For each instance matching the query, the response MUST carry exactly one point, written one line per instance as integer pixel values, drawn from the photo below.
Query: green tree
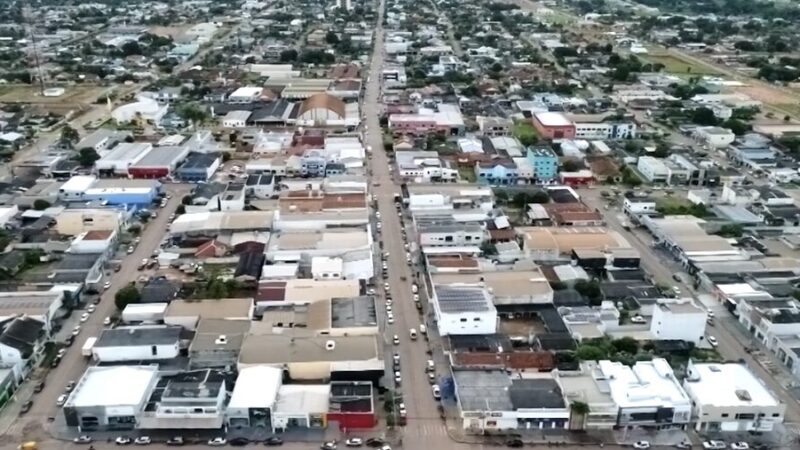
(193, 113)
(331, 37)
(40, 204)
(704, 116)
(590, 290)
(626, 344)
(87, 156)
(737, 126)
(730, 231)
(488, 249)
(69, 135)
(126, 296)
(588, 352)
(501, 197)
(629, 178)
(289, 55)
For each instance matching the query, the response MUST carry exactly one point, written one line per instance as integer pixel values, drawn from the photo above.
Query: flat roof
(308, 290)
(211, 308)
(256, 387)
(135, 336)
(294, 348)
(222, 220)
(78, 183)
(566, 239)
(166, 156)
(726, 385)
(208, 333)
(552, 119)
(93, 389)
(303, 398)
(483, 390)
(510, 283)
(127, 152)
(458, 298)
(647, 383)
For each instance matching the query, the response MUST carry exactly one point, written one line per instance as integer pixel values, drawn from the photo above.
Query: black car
(26, 407)
(273, 441)
(514, 443)
(56, 362)
(69, 340)
(39, 387)
(176, 441)
(374, 442)
(239, 441)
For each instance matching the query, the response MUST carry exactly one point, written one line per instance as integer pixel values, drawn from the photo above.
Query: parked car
(122, 440)
(374, 442)
(39, 387)
(354, 442)
(330, 445)
(26, 407)
(82, 439)
(90, 309)
(273, 441)
(61, 400)
(239, 441)
(641, 445)
(142, 440)
(396, 340)
(77, 330)
(69, 340)
(61, 352)
(217, 442)
(56, 362)
(106, 285)
(70, 386)
(107, 321)
(515, 443)
(175, 441)
(84, 317)
(714, 445)
(740, 446)
(712, 341)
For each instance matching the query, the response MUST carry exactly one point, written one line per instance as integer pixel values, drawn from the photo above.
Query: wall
(353, 420)
(689, 327)
(72, 223)
(465, 323)
(135, 353)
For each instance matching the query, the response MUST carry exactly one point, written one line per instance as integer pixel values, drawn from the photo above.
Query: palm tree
(578, 412)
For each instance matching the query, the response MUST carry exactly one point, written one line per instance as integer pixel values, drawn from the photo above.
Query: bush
(127, 295)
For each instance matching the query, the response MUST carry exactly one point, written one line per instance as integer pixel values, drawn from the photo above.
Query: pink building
(553, 125)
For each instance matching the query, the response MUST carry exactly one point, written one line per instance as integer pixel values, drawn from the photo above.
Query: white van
(423, 329)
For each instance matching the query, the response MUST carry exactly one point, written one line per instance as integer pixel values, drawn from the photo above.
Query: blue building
(544, 162)
(139, 193)
(198, 167)
(497, 171)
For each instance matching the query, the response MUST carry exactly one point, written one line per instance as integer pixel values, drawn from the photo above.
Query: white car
(122, 440)
(388, 304)
(61, 400)
(641, 445)
(389, 318)
(90, 309)
(389, 309)
(714, 445)
(107, 321)
(77, 330)
(217, 442)
(61, 352)
(638, 319)
(397, 378)
(142, 440)
(354, 442)
(84, 317)
(396, 357)
(107, 285)
(740, 446)
(378, 214)
(396, 340)
(437, 393)
(712, 341)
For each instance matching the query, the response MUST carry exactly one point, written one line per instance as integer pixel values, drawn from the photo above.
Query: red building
(159, 162)
(553, 125)
(352, 405)
(579, 178)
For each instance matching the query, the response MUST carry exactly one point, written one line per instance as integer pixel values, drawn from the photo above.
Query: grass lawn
(467, 174)
(676, 65)
(524, 131)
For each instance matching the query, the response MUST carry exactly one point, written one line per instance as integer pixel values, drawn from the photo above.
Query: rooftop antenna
(26, 20)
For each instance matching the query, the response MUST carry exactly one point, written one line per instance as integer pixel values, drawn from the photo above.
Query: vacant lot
(678, 66)
(80, 94)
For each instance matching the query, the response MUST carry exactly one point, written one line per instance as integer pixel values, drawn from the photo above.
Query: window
(776, 414)
(476, 319)
(724, 414)
(745, 416)
(463, 320)
(153, 350)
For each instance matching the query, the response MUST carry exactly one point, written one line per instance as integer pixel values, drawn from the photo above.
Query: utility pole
(26, 20)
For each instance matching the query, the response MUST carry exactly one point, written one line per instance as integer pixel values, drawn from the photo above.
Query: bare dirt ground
(174, 32)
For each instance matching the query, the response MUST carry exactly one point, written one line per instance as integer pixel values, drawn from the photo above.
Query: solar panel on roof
(461, 299)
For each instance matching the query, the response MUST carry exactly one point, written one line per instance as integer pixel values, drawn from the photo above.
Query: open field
(678, 66)
(78, 94)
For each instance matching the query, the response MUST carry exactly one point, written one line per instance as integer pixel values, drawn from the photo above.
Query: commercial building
(187, 314)
(217, 343)
(714, 137)
(253, 399)
(145, 343)
(559, 243)
(122, 157)
(160, 162)
(39, 305)
(678, 320)
(302, 406)
(553, 126)
(729, 398)
(123, 192)
(544, 162)
(463, 309)
(187, 400)
(491, 401)
(352, 405)
(92, 406)
(648, 395)
(236, 119)
(604, 130)
(424, 166)
(198, 167)
(444, 119)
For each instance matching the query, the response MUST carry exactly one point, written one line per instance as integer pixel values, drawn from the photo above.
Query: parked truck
(86, 350)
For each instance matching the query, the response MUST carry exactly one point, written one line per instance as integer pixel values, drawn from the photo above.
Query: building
(444, 119)
(545, 164)
(252, 402)
(463, 309)
(424, 167)
(604, 130)
(654, 170)
(680, 320)
(102, 139)
(198, 167)
(39, 305)
(112, 192)
(432, 232)
(714, 137)
(94, 242)
(22, 344)
(137, 344)
(497, 171)
(245, 95)
(491, 401)
(160, 162)
(588, 385)
(122, 157)
(302, 406)
(559, 243)
(73, 222)
(636, 206)
(236, 119)
(186, 400)
(217, 343)
(648, 395)
(729, 398)
(92, 406)
(553, 126)
(306, 356)
(494, 126)
(187, 314)
(352, 405)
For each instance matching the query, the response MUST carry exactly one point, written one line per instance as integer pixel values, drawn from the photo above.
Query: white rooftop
(78, 183)
(95, 388)
(256, 387)
(726, 385)
(552, 119)
(647, 383)
(303, 398)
